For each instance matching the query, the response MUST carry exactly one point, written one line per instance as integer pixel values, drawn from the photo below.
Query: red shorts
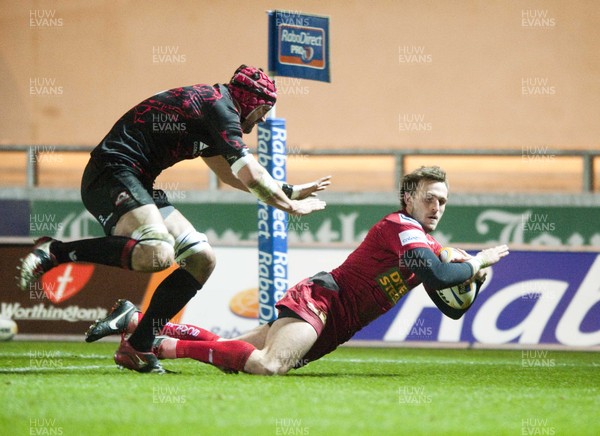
(321, 308)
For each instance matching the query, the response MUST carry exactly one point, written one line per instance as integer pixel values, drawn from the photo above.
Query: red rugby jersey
(373, 279)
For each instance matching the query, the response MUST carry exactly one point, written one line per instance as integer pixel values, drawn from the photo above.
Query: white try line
(49, 354)
(27, 369)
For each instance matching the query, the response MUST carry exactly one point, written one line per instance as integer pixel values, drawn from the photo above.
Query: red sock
(188, 332)
(227, 354)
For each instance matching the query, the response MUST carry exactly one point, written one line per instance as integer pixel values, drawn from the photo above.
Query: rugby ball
(460, 296)
(8, 329)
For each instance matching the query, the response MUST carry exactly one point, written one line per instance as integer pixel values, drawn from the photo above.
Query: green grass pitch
(66, 388)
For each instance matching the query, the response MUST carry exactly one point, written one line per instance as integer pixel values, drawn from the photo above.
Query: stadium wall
(465, 74)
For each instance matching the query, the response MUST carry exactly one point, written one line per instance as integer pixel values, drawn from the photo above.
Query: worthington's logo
(42, 312)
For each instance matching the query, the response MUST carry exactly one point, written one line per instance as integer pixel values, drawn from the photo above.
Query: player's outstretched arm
(488, 257)
(220, 166)
(305, 190)
(306, 206)
(437, 275)
(265, 188)
(432, 272)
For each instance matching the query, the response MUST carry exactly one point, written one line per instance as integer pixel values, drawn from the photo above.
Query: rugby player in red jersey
(323, 311)
(144, 232)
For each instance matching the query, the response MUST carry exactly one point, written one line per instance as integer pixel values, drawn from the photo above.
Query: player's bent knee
(193, 247)
(154, 250)
(152, 259)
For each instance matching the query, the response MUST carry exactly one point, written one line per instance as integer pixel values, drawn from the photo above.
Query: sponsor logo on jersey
(199, 146)
(412, 236)
(392, 284)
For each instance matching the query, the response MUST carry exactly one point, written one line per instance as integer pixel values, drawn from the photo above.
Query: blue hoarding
(530, 297)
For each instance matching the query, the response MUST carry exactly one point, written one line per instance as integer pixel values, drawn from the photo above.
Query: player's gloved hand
(308, 205)
(299, 192)
(459, 255)
(488, 257)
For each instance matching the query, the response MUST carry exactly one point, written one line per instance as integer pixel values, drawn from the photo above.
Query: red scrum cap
(252, 88)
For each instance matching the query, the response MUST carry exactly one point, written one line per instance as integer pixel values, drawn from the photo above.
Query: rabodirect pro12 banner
(299, 45)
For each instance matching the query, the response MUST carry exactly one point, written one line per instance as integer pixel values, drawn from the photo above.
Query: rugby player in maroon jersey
(323, 311)
(144, 232)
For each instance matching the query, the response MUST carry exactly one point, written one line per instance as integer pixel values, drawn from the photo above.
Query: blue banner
(299, 45)
(272, 223)
(529, 298)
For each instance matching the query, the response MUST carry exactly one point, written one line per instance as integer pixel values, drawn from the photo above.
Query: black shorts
(110, 190)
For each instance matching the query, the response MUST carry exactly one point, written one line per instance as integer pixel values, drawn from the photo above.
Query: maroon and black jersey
(177, 124)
